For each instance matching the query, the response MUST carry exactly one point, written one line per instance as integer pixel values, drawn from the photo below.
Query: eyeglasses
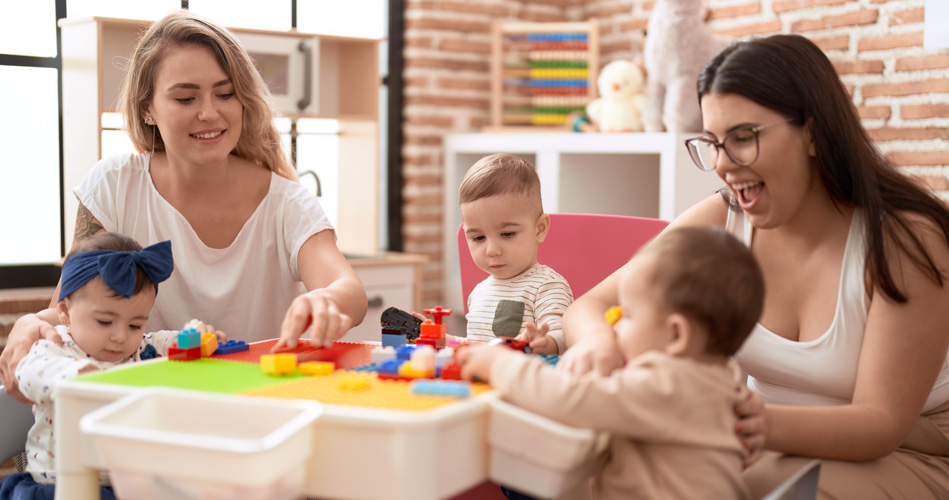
(740, 145)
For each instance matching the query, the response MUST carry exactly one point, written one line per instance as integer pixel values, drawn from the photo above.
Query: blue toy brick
(551, 359)
(442, 388)
(189, 338)
(390, 367)
(232, 346)
(371, 367)
(404, 352)
(390, 340)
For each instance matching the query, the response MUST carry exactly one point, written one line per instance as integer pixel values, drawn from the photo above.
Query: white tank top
(820, 372)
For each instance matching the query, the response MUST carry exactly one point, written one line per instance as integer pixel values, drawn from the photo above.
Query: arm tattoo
(86, 224)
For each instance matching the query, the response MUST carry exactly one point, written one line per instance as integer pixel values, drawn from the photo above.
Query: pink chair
(583, 248)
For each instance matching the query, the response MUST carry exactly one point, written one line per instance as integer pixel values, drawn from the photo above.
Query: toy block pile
(408, 362)
(400, 327)
(194, 343)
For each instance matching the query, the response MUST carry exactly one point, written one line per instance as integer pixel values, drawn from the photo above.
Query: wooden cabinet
(337, 77)
(392, 280)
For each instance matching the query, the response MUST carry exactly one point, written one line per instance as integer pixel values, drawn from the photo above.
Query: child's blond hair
(501, 174)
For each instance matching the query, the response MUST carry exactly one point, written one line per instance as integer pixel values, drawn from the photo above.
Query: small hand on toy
(201, 327)
(476, 361)
(537, 337)
(596, 352)
(317, 312)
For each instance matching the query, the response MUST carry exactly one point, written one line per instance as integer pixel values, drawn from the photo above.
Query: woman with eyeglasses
(848, 360)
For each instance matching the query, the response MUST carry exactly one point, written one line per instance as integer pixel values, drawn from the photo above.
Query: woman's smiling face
(776, 186)
(194, 105)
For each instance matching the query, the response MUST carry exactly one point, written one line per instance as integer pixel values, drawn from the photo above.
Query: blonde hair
(259, 141)
(501, 174)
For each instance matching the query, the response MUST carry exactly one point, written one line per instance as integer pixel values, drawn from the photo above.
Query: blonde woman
(254, 249)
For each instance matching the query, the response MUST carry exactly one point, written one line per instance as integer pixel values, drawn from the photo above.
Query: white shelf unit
(639, 174)
(344, 86)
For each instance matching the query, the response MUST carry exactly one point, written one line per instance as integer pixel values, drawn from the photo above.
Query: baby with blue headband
(108, 286)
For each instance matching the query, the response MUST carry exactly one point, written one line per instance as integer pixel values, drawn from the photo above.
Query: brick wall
(901, 91)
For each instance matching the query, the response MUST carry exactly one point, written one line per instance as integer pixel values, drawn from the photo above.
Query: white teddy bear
(621, 98)
(678, 44)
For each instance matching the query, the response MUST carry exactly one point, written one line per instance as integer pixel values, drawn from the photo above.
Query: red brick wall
(901, 90)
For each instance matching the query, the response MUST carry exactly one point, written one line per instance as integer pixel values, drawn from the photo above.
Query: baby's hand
(203, 328)
(476, 360)
(537, 337)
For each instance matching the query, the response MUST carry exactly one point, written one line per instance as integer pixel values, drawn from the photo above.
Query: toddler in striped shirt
(504, 224)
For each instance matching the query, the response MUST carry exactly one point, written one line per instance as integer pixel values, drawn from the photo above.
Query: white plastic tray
(536, 455)
(166, 443)
(373, 454)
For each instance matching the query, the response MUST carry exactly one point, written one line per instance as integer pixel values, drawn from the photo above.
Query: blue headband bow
(117, 268)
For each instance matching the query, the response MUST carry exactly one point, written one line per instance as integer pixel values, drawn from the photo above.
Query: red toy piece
(437, 343)
(190, 354)
(437, 312)
(451, 371)
(517, 345)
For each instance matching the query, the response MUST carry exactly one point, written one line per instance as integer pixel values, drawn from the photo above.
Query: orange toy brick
(208, 344)
(613, 315)
(278, 364)
(431, 330)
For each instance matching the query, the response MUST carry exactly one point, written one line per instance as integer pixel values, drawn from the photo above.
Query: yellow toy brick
(354, 383)
(278, 364)
(208, 344)
(316, 368)
(613, 315)
(407, 370)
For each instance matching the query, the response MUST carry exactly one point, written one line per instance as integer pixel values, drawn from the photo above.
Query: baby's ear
(63, 309)
(543, 227)
(681, 335)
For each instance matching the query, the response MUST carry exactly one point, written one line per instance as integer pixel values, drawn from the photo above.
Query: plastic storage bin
(536, 455)
(163, 443)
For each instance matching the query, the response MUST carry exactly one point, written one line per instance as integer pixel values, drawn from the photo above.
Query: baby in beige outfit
(688, 300)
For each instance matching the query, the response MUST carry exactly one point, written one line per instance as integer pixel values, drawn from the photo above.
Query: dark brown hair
(501, 174)
(713, 279)
(791, 75)
(116, 242)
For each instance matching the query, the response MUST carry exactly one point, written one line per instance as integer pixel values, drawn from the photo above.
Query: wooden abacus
(542, 72)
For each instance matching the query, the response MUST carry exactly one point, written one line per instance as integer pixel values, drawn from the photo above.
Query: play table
(379, 441)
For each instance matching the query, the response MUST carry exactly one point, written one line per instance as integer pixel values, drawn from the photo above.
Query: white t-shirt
(823, 371)
(244, 289)
(501, 307)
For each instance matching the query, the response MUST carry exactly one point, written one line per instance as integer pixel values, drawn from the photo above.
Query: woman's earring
(151, 121)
